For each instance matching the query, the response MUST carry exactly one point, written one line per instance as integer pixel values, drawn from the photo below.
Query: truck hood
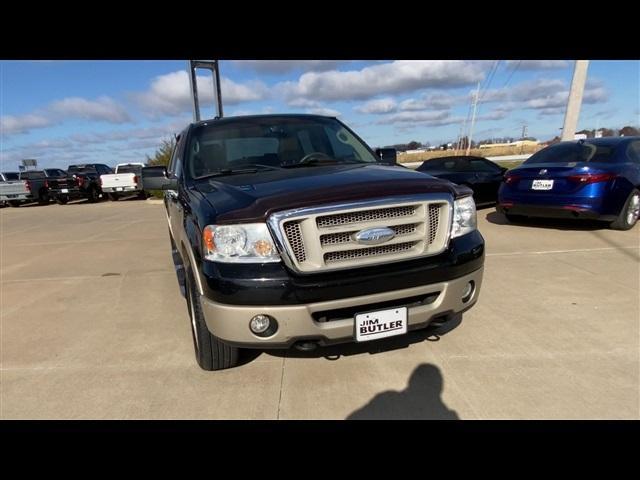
(253, 197)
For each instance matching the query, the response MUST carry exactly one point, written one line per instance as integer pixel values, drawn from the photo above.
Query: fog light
(468, 291)
(260, 323)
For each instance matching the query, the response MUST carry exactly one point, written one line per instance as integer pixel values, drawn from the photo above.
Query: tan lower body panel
(231, 322)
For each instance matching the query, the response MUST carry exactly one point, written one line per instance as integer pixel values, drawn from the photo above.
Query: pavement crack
(281, 384)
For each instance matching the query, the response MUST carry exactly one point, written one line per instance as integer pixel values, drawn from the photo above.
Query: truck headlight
(249, 243)
(464, 217)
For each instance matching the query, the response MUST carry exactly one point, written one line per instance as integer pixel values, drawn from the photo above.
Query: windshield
(573, 152)
(276, 142)
(129, 169)
(80, 169)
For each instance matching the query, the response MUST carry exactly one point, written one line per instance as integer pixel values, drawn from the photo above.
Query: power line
(489, 79)
(512, 72)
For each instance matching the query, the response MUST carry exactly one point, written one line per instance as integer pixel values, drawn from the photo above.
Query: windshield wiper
(236, 171)
(319, 162)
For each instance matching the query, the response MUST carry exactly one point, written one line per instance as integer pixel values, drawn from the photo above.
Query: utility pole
(575, 100)
(473, 118)
(524, 131)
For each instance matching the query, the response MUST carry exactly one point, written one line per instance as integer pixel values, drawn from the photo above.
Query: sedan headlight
(464, 217)
(248, 243)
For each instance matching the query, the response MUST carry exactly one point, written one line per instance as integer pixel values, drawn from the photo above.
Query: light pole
(575, 99)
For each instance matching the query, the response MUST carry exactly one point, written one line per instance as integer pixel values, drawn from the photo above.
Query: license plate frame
(388, 316)
(542, 184)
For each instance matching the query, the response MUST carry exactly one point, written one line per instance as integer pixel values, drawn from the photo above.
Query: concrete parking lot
(93, 326)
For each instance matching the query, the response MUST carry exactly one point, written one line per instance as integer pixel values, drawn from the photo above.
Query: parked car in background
(6, 176)
(127, 179)
(55, 172)
(597, 178)
(478, 173)
(81, 181)
(30, 186)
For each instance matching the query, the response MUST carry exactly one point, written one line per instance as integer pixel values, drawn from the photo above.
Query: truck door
(173, 206)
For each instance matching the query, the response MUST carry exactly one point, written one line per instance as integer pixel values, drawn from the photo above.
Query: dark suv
(287, 230)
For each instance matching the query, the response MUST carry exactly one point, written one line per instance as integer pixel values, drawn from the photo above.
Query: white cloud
(538, 64)
(436, 101)
(327, 112)
(286, 66)
(170, 94)
(387, 78)
(12, 124)
(109, 147)
(380, 105)
(435, 118)
(103, 108)
(543, 94)
(304, 103)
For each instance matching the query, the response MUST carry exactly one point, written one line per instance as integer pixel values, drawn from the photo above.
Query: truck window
(270, 141)
(137, 169)
(32, 175)
(11, 176)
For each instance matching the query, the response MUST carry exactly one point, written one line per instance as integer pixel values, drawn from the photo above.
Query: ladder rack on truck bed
(211, 65)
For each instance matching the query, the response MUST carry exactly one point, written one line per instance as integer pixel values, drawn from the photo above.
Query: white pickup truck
(126, 181)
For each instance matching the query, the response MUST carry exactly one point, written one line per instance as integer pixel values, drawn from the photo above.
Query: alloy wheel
(633, 212)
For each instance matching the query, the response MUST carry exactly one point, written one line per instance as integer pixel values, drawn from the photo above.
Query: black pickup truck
(82, 181)
(287, 230)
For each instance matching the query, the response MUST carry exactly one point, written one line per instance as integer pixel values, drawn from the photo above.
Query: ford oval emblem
(374, 236)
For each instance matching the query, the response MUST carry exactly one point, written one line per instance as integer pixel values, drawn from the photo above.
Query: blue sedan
(596, 179)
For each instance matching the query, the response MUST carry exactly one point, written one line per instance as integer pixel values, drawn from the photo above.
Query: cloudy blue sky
(64, 112)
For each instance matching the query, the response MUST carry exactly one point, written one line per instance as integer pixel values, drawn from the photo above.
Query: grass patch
(477, 152)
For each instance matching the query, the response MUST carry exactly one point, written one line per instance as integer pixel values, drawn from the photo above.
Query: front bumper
(126, 189)
(18, 197)
(572, 210)
(321, 321)
(73, 192)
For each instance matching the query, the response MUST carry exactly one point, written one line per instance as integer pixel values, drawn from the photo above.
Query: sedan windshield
(274, 142)
(573, 152)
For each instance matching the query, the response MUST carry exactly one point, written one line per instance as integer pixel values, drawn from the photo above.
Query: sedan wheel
(629, 214)
(633, 212)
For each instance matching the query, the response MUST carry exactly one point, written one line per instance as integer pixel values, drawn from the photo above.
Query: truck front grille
(294, 236)
(320, 239)
(364, 216)
(347, 237)
(368, 252)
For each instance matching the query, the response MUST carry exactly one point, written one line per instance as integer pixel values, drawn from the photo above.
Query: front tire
(211, 353)
(93, 195)
(629, 213)
(113, 197)
(14, 203)
(44, 198)
(62, 200)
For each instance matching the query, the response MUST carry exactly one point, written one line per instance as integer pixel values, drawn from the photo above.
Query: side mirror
(156, 178)
(387, 155)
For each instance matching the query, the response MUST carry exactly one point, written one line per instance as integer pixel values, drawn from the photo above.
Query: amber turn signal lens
(262, 248)
(207, 237)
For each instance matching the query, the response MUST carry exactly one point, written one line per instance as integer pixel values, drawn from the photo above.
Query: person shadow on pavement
(419, 401)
